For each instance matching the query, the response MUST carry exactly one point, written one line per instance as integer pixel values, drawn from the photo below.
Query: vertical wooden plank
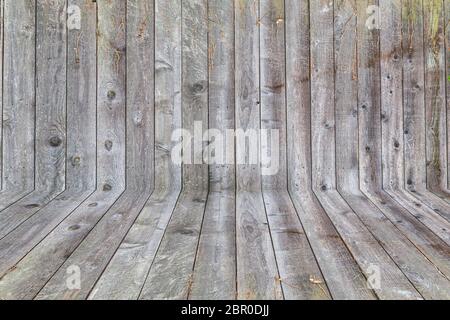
(19, 100)
(221, 86)
(34, 272)
(247, 88)
(50, 135)
(81, 96)
(111, 95)
(273, 91)
(111, 67)
(184, 228)
(413, 95)
(195, 88)
(322, 95)
(216, 255)
(344, 278)
(391, 94)
(140, 93)
(346, 91)
(135, 255)
(435, 83)
(257, 274)
(298, 88)
(294, 256)
(51, 45)
(112, 284)
(369, 99)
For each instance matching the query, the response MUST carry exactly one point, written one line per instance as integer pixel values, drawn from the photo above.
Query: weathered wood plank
(176, 255)
(195, 87)
(300, 275)
(364, 247)
(414, 108)
(214, 274)
(140, 43)
(50, 144)
(19, 101)
(297, 264)
(435, 84)
(343, 277)
(216, 255)
(257, 271)
(184, 228)
(81, 132)
(136, 254)
(110, 134)
(413, 94)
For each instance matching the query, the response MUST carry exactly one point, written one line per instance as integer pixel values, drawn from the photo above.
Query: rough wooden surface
(356, 91)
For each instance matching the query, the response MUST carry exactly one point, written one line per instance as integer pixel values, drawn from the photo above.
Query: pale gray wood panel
(81, 147)
(195, 88)
(322, 96)
(273, 93)
(435, 84)
(257, 274)
(140, 100)
(111, 98)
(125, 275)
(414, 108)
(364, 247)
(404, 253)
(51, 105)
(221, 67)
(176, 254)
(413, 95)
(346, 95)
(136, 253)
(391, 66)
(214, 274)
(111, 63)
(300, 275)
(19, 100)
(185, 225)
(343, 277)
(247, 89)
(293, 253)
(404, 20)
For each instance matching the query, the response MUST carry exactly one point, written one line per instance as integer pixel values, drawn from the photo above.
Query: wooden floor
(94, 207)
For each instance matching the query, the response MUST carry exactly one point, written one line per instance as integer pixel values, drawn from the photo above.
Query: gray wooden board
(343, 276)
(19, 101)
(257, 274)
(214, 275)
(125, 275)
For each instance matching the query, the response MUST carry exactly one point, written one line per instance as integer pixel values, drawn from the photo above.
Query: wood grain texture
(434, 86)
(19, 101)
(216, 254)
(80, 182)
(51, 117)
(337, 173)
(184, 228)
(257, 274)
(125, 275)
(347, 281)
